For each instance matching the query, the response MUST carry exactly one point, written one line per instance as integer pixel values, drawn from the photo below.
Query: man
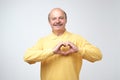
(61, 52)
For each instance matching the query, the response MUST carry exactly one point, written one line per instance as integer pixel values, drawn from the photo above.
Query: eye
(53, 18)
(61, 17)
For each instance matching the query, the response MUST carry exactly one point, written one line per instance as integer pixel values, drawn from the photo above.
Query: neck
(58, 33)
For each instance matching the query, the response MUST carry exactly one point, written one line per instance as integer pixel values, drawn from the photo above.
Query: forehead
(57, 13)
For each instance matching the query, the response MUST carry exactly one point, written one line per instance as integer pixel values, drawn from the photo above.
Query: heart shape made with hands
(65, 48)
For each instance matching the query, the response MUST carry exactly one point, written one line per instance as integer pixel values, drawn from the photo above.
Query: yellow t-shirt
(60, 67)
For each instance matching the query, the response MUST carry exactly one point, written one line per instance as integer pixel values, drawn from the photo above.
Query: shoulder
(43, 38)
(75, 35)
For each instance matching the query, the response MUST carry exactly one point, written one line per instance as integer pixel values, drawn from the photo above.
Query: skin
(57, 20)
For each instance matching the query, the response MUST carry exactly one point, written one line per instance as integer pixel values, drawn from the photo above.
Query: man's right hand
(57, 49)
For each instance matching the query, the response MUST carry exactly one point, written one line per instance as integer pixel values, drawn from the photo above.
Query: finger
(64, 53)
(70, 44)
(60, 45)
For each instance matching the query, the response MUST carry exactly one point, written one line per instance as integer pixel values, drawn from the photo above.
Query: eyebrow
(50, 14)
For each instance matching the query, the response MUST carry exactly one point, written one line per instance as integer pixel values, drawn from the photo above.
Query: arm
(36, 53)
(89, 51)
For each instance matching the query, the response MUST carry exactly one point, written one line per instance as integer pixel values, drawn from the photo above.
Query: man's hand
(65, 48)
(57, 49)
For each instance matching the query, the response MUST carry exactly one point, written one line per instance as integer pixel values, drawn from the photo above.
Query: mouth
(58, 25)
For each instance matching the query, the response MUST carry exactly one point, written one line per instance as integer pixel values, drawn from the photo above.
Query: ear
(66, 21)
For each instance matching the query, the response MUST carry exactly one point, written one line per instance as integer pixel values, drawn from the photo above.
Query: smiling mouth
(58, 25)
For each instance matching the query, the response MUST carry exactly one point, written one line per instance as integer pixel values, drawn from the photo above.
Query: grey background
(23, 22)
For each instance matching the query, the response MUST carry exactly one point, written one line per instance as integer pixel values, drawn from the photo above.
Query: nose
(57, 20)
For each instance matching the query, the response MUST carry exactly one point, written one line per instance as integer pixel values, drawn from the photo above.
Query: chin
(58, 27)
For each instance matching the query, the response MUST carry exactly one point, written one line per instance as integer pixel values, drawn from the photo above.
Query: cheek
(51, 22)
(64, 21)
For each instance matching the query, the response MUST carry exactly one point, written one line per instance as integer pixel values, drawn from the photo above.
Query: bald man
(61, 52)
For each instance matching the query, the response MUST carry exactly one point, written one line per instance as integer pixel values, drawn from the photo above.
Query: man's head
(57, 9)
(57, 19)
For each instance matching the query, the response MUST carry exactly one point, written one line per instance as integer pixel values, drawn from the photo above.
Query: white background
(23, 22)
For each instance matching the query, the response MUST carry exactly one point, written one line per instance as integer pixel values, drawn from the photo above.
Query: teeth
(58, 25)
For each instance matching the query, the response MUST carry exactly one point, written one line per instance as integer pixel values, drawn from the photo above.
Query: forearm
(33, 55)
(91, 53)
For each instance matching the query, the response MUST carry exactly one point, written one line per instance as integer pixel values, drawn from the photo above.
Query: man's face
(57, 20)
